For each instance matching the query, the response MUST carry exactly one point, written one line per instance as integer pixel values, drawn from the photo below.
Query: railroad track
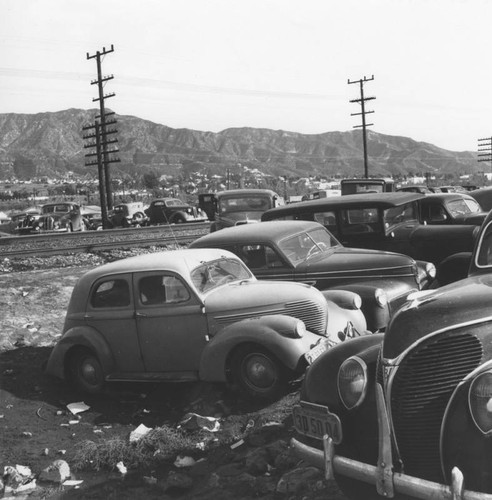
(90, 241)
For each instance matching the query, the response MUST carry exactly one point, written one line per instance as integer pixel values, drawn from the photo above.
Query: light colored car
(129, 215)
(54, 217)
(199, 314)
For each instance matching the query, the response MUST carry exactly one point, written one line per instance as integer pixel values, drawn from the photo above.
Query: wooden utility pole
(485, 149)
(363, 113)
(102, 134)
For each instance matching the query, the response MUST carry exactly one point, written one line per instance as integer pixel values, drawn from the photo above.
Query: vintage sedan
(382, 221)
(450, 208)
(190, 315)
(173, 211)
(410, 412)
(54, 217)
(309, 253)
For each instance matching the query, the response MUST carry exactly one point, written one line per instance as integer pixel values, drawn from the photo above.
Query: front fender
(463, 444)
(275, 333)
(341, 310)
(80, 336)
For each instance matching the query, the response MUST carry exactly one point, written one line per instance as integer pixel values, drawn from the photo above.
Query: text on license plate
(315, 421)
(316, 351)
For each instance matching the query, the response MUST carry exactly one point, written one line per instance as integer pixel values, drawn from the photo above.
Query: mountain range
(54, 142)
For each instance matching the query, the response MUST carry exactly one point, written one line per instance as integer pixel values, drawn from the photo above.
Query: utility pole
(485, 149)
(363, 113)
(102, 135)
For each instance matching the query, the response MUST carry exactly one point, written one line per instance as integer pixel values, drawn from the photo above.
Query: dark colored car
(238, 206)
(364, 186)
(54, 217)
(414, 189)
(307, 252)
(382, 221)
(189, 315)
(410, 412)
(173, 211)
(450, 208)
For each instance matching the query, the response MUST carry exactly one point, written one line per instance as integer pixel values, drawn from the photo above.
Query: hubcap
(260, 372)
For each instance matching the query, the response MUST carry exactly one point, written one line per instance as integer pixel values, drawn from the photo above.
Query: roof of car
(235, 192)
(362, 200)
(179, 261)
(257, 232)
(446, 196)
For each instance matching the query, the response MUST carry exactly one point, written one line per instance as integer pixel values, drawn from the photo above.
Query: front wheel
(258, 372)
(86, 372)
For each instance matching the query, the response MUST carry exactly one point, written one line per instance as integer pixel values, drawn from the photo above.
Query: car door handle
(140, 315)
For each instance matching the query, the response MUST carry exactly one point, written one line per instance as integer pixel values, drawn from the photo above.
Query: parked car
(483, 196)
(369, 185)
(409, 412)
(92, 217)
(189, 315)
(450, 208)
(54, 217)
(238, 206)
(382, 221)
(414, 189)
(21, 222)
(129, 215)
(309, 253)
(173, 211)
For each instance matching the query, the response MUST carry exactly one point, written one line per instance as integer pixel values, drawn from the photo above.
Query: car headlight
(430, 269)
(352, 382)
(480, 401)
(300, 329)
(381, 297)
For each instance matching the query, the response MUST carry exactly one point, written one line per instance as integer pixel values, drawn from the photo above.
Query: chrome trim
(404, 484)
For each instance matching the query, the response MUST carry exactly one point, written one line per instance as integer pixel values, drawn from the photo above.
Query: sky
(279, 64)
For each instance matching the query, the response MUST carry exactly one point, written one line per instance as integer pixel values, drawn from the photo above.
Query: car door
(172, 329)
(110, 311)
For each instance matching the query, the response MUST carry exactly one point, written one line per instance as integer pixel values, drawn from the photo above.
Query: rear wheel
(86, 372)
(258, 372)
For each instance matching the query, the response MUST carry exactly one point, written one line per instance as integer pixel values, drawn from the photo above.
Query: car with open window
(307, 252)
(382, 221)
(196, 314)
(130, 214)
(408, 414)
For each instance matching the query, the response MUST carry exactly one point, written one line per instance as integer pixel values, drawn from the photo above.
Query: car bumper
(401, 483)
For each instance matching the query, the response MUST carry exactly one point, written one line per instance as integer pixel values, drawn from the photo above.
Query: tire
(86, 372)
(179, 220)
(69, 228)
(258, 372)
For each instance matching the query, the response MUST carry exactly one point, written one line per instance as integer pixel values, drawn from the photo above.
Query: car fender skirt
(270, 332)
(79, 337)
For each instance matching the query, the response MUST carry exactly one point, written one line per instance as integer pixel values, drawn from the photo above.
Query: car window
(360, 220)
(433, 212)
(161, 290)
(212, 274)
(328, 219)
(462, 207)
(111, 293)
(402, 213)
(302, 246)
(260, 257)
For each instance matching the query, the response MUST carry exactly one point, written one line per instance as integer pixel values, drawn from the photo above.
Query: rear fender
(275, 333)
(79, 337)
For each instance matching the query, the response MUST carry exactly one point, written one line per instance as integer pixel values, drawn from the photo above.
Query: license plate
(315, 421)
(317, 350)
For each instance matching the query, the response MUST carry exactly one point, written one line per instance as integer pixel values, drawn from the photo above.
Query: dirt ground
(37, 428)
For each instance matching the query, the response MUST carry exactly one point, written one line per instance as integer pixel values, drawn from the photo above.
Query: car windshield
(402, 213)
(250, 203)
(462, 207)
(49, 209)
(210, 275)
(303, 246)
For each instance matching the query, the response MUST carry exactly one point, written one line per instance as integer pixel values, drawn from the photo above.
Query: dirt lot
(37, 428)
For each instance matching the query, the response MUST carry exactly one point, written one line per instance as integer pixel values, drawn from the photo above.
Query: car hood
(227, 304)
(461, 302)
(364, 262)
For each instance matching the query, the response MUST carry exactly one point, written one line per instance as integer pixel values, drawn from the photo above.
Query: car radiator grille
(421, 389)
(313, 315)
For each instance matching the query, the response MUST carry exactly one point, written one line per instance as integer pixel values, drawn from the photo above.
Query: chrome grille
(313, 315)
(420, 392)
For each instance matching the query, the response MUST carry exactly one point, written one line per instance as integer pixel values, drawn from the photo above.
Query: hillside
(55, 144)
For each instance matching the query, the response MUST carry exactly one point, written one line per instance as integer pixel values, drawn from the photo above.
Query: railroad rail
(47, 244)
